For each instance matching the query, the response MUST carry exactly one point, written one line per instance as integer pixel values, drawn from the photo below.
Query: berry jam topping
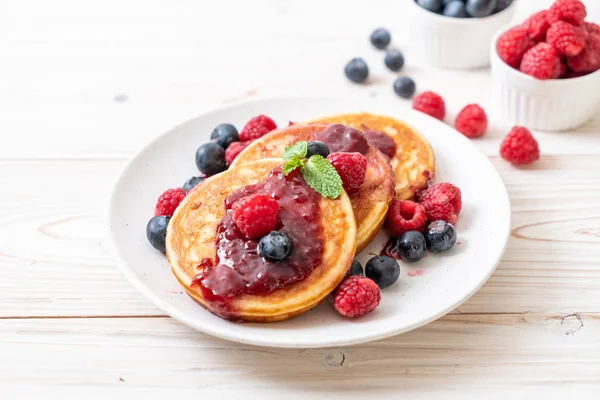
(383, 142)
(238, 267)
(340, 138)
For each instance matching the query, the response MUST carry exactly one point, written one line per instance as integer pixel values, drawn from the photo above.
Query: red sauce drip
(239, 269)
(383, 142)
(341, 138)
(390, 249)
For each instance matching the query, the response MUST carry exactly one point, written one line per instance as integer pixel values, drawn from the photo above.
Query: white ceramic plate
(425, 291)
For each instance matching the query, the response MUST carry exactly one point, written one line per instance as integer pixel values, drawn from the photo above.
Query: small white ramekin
(456, 43)
(546, 105)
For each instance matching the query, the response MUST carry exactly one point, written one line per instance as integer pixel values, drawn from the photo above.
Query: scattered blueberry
(405, 87)
(394, 60)
(210, 159)
(156, 231)
(316, 147)
(455, 9)
(411, 246)
(355, 269)
(225, 134)
(383, 270)
(381, 38)
(192, 182)
(503, 5)
(275, 246)
(446, 2)
(481, 8)
(439, 236)
(431, 5)
(357, 70)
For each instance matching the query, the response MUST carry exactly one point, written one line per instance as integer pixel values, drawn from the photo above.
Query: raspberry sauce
(239, 269)
(383, 142)
(341, 138)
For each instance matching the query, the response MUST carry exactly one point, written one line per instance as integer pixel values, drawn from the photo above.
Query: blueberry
(381, 38)
(405, 87)
(481, 8)
(210, 159)
(394, 60)
(503, 5)
(156, 231)
(439, 236)
(383, 270)
(355, 269)
(357, 70)
(192, 182)
(455, 9)
(411, 246)
(316, 147)
(225, 134)
(431, 5)
(275, 246)
(446, 2)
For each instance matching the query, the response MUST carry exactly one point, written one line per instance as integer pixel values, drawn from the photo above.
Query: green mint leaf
(299, 149)
(292, 164)
(322, 177)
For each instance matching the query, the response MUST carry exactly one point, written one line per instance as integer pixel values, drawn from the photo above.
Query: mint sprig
(317, 171)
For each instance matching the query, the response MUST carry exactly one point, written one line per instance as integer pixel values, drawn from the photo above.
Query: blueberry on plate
(355, 269)
(316, 147)
(210, 159)
(439, 236)
(382, 270)
(394, 60)
(431, 5)
(224, 135)
(455, 9)
(357, 70)
(405, 87)
(381, 38)
(275, 246)
(411, 246)
(192, 182)
(481, 8)
(503, 5)
(156, 231)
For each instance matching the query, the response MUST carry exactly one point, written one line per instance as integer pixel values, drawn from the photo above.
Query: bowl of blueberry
(456, 33)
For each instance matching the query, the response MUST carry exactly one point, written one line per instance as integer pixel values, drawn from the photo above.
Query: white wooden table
(83, 85)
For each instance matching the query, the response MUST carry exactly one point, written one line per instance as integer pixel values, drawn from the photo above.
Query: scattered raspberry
(255, 215)
(541, 62)
(404, 216)
(168, 201)
(564, 70)
(572, 11)
(567, 38)
(257, 127)
(591, 28)
(519, 146)
(572, 74)
(589, 58)
(356, 296)
(234, 150)
(537, 25)
(352, 168)
(442, 201)
(512, 45)
(471, 121)
(431, 104)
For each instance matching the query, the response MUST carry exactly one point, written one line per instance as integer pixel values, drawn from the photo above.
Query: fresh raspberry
(589, 58)
(519, 146)
(257, 127)
(537, 25)
(168, 201)
(471, 121)
(234, 150)
(356, 296)
(572, 11)
(351, 167)
(404, 216)
(564, 70)
(591, 28)
(431, 104)
(541, 62)
(567, 38)
(442, 201)
(512, 44)
(255, 215)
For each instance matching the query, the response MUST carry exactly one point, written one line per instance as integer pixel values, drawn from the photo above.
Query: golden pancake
(413, 164)
(192, 238)
(370, 203)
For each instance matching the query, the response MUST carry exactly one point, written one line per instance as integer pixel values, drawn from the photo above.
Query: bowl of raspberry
(546, 71)
(456, 33)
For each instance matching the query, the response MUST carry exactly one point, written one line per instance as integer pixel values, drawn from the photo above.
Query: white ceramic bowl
(546, 105)
(458, 43)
